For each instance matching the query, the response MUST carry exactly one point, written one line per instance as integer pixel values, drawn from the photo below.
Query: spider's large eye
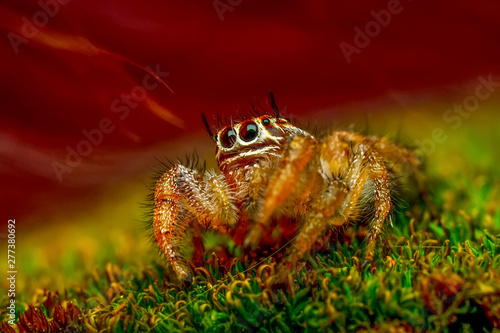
(228, 137)
(248, 131)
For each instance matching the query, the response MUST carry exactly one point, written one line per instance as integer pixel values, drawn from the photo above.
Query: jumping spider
(271, 168)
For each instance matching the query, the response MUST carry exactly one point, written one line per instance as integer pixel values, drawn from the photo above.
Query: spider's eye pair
(247, 133)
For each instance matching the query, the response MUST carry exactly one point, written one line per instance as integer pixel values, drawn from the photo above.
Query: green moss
(438, 274)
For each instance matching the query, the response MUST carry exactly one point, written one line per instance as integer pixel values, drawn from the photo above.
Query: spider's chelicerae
(271, 169)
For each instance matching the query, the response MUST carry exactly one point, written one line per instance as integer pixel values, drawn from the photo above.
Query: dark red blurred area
(67, 76)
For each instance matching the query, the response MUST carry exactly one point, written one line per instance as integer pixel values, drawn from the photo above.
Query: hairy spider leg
(382, 201)
(347, 160)
(346, 146)
(351, 146)
(343, 179)
(281, 184)
(404, 163)
(180, 195)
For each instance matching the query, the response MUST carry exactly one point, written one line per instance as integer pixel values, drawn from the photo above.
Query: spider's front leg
(182, 194)
(282, 183)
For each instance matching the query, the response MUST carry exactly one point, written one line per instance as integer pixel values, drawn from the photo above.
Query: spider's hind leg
(338, 187)
(355, 161)
(382, 203)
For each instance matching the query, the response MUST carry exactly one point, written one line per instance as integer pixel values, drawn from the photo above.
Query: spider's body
(270, 168)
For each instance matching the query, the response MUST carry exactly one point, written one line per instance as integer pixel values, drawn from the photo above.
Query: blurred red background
(64, 75)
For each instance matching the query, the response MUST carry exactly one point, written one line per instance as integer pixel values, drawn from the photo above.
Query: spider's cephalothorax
(270, 168)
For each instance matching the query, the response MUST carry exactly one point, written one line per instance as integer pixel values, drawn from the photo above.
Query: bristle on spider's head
(273, 105)
(240, 115)
(207, 126)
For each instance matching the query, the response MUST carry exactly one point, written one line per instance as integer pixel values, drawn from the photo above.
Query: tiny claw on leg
(182, 271)
(186, 276)
(369, 253)
(368, 260)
